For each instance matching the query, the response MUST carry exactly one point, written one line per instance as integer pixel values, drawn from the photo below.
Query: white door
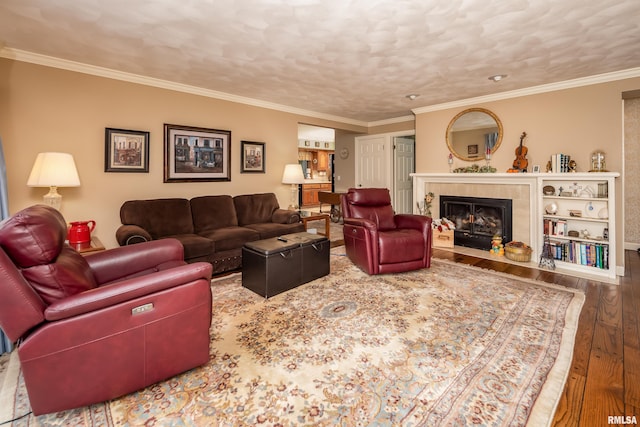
(372, 158)
(403, 165)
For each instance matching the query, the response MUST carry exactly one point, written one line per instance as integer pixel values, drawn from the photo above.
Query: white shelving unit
(579, 218)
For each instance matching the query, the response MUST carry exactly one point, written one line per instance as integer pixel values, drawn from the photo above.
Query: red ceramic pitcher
(80, 231)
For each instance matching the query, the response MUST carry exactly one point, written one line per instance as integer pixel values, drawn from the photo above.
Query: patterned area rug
(450, 345)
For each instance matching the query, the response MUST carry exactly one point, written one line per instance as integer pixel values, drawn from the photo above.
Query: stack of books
(582, 253)
(560, 163)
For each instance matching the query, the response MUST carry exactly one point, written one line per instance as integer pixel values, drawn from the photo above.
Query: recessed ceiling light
(498, 77)
(412, 96)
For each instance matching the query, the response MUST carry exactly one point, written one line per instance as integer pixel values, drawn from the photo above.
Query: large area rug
(450, 345)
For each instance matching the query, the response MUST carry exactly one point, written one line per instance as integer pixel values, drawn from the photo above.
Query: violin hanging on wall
(521, 162)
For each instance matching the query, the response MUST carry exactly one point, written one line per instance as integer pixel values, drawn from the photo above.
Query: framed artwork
(253, 157)
(126, 150)
(196, 154)
(472, 150)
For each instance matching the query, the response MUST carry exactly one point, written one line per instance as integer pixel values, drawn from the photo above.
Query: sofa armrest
(284, 216)
(127, 290)
(123, 261)
(130, 234)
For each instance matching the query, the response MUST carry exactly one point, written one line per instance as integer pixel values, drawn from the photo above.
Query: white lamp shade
(54, 170)
(293, 174)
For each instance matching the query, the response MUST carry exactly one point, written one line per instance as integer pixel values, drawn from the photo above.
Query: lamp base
(53, 198)
(294, 198)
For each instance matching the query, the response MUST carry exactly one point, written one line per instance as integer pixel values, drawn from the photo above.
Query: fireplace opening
(478, 219)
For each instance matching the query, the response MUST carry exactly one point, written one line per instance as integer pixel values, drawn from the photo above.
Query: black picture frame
(253, 157)
(195, 154)
(126, 150)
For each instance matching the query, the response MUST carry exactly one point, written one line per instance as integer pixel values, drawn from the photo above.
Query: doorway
(386, 161)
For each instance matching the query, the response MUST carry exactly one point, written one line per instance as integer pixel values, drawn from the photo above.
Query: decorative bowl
(548, 190)
(517, 251)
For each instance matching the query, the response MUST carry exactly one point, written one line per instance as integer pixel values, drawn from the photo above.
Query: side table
(94, 245)
(306, 216)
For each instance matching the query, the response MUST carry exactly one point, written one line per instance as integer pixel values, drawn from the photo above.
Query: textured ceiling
(355, 59)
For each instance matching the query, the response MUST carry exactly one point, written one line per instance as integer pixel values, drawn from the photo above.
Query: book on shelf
(560, 163)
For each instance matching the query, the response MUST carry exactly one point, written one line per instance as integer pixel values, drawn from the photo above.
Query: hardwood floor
(605, 374)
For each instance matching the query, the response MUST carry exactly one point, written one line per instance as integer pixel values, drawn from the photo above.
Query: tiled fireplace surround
(501, 186)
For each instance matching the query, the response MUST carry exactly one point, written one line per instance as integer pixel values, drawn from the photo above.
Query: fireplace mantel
(525, 189)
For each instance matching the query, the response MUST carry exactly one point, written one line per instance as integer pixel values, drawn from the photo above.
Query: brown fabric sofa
(211, 228)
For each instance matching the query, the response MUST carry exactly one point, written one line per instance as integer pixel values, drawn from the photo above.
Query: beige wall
(572, 121)
(46, 109)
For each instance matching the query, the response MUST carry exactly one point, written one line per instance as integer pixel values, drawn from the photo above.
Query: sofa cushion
(270, 229)
(160, 217)
(213, 212)
(227, 238)
(195, 246)
(255, 208)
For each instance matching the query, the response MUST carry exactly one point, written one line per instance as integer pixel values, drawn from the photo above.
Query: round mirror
(473, 132)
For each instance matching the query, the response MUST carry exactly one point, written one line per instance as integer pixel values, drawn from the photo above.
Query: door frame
(389, 156)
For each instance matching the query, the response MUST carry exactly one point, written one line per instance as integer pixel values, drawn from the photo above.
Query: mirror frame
(472, 110)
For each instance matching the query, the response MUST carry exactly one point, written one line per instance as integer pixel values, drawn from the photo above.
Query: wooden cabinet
(310, 193)
(323, 161)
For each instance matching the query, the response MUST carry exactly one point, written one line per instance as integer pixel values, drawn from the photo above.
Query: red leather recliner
(90, 329)
(377, 240)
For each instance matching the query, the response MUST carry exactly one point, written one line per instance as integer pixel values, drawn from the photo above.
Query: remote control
(282, 239)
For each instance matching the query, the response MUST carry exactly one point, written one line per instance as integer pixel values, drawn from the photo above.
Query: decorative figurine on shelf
(425, 209)
(549, 167)
(573, 166)
(497, 248)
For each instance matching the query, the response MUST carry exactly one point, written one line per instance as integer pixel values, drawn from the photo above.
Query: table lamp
(54, 170)
(293, 175)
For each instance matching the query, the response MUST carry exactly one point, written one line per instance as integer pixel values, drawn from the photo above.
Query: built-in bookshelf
(577, 214)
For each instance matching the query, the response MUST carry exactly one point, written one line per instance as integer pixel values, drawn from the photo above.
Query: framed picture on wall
(126, 150)
(472, 150)
(196, 154)
(253, 157)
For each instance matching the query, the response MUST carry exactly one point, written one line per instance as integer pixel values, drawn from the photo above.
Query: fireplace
(478, 219)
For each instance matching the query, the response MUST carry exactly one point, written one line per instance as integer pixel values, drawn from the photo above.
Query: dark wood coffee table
(307, 216)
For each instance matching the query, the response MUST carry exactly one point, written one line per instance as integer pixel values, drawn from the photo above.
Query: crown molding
(50, 61)
(534, 90)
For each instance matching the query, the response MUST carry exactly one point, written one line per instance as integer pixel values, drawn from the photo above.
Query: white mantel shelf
(535, 182)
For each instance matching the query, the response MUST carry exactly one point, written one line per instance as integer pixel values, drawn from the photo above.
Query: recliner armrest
(116, 263)
(126, 290)
(417, 222)
(130, 234)
(361, 222)
(284, 216)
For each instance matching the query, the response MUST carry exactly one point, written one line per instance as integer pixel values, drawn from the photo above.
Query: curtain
(5, 344)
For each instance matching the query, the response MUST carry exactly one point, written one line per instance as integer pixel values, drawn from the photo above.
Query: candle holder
(450, 161)
(487, 157)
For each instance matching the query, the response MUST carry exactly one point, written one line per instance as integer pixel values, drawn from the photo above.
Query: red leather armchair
(93, 328)
(377, 240)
